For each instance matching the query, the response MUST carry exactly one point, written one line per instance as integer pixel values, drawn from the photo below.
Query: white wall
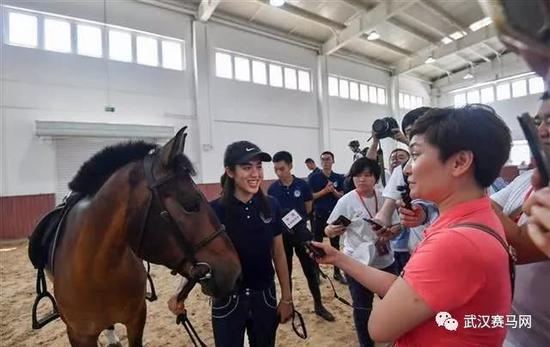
(509, 65)
(42, 85)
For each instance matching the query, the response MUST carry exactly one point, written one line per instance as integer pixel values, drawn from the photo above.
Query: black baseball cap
(242, 152)
(353, 143)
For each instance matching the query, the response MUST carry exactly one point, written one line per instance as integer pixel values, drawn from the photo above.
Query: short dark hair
(282, 156)
(309, 160)
(363, 164)
(328, 152)
(410, 117)
(545, 96)
(476, 128)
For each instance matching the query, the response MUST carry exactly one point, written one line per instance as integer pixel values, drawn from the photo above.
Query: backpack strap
(508, 248)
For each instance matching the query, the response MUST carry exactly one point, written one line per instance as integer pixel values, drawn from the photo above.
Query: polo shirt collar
(458, 213)
(281, 184)
(248, 203)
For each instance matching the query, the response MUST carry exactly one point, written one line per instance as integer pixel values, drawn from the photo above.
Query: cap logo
(249, 149)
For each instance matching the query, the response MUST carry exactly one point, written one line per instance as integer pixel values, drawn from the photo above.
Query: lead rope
(183, 320)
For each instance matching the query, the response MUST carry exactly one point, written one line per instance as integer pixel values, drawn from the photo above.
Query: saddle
(48, 232)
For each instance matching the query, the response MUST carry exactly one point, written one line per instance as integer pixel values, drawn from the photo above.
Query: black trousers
(319, 225)
(309, 266)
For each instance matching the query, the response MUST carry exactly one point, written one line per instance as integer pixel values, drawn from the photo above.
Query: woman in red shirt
(456, 288)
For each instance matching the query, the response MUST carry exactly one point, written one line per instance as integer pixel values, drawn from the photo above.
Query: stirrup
(42, 292)
(152, 295)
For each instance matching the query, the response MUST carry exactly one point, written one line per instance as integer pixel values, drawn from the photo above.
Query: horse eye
(191, 206)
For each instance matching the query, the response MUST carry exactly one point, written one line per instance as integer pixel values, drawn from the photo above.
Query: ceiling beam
(433, 29)
(414, 31)
(364, 23)
(300, 12)
(443, 15)
(206, 8)
(407, 64)
(474, 52)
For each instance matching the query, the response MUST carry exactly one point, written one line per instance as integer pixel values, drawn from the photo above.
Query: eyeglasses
(298, 325)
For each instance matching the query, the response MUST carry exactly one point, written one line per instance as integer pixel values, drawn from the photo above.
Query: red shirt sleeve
(446, 270)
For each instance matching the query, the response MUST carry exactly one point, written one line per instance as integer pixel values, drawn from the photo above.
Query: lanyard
(365, 205)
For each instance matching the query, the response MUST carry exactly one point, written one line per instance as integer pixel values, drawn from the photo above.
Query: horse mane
(96, 170)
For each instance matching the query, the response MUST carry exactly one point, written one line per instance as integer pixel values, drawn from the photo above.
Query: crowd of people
(434, 241)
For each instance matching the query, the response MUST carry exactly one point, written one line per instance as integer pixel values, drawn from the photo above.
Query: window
(304, 83)
(401, 105)
(275, 76)
(373, 94)
(290, 78)
(487, 95)
(57, 35)
(344, 89)
(473, 97)
(460, 100)
(259, 74)
(419, 101)
(224, 65)
(120, 46)
(172, 57)
(503, 91)
(414, 101)
(520, 152)
(333, 86)
(353, 91)
(364, 92)
(381, 96)
(536, 85)
(519, 88)
(89, 40)
(147, 51)
(23, 29)
(242, 69)
(406, 101)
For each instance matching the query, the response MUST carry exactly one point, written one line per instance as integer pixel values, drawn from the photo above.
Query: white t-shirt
(359, 239)
(396, 179)
(532, 280)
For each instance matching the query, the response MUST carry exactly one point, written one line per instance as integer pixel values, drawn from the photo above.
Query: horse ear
(174, 147)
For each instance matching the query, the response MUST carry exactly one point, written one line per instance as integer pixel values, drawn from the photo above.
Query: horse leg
(112, 338)
(135, 328)
(78, 340)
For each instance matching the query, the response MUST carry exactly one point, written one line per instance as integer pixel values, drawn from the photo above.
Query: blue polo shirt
(318, 181)
(293, 196)
(314, 171)
(252, 235)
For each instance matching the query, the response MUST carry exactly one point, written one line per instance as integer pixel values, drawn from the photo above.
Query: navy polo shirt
(314, 171)
(293, 196)
(252, 235)
(317, 181)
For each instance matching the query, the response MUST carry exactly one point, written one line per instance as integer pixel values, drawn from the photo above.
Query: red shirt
(462, 271)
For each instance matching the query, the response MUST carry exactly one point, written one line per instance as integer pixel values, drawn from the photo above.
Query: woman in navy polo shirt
(253, 222)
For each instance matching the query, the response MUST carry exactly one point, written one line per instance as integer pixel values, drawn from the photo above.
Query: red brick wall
(20, 214)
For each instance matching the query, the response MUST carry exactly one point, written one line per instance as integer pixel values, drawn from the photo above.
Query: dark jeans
(309, 266)
(401, 259)
(362, 300)
(250, 310)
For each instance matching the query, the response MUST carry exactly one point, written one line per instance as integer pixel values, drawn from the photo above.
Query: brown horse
(140, 203)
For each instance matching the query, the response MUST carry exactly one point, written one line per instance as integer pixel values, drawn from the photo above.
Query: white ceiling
(407, 36)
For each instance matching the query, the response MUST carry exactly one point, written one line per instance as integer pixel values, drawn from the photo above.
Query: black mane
(96, 170)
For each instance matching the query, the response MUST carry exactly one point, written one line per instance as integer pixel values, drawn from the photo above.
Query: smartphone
(318, 252)
(374, 223)
(540, 154)
(342, 220)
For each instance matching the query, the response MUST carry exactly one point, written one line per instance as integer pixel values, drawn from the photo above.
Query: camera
(384, 127)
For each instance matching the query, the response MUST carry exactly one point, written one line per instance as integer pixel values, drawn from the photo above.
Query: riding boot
(319, 309)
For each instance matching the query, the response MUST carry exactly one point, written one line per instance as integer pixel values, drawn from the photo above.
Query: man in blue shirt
(294, 196)
(310, 164)
(327, 187)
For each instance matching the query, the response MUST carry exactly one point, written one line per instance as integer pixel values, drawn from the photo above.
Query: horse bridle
(189, 249)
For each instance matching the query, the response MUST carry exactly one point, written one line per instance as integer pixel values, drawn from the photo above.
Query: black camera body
(383, 127)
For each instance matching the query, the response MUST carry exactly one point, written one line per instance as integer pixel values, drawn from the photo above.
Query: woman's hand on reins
(285, 309)
(175, 306)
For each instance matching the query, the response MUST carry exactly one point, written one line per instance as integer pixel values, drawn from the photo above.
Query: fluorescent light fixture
(373, 36)
(277, 3)
(457, 35)
(446, 40)
(429, 60)
(480, 24)
(468, 76)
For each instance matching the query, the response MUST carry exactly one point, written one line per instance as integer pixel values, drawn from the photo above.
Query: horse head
(178, 227)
